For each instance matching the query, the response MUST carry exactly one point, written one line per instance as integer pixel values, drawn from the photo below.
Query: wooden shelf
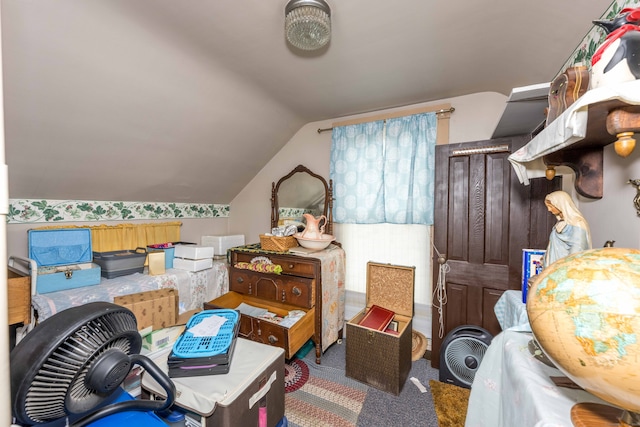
(585, 157)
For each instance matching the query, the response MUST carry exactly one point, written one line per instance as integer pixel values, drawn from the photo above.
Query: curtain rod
(444, 110)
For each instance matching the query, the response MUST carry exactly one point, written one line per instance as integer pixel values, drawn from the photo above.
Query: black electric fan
(68, 370)
(461, 353)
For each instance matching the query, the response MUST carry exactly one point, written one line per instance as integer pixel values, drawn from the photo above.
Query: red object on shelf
(377, 318)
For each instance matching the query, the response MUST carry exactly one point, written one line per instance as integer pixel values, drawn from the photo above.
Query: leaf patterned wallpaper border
(583, 53)
(25, 211)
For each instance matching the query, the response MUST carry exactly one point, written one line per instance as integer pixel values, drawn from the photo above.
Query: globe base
(589, 414)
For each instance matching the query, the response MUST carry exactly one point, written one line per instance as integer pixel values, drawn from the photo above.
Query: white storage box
(192, 264)
(192, 252)
(221, 244)
(255, 380)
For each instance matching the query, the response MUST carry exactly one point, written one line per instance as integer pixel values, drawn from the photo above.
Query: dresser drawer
(266, 332)
(293, 290)
(291, 265)
(19, 298)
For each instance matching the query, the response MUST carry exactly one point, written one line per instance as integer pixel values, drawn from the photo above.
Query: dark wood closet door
(483, 219)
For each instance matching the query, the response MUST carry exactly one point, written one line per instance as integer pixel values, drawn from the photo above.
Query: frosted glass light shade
(308, 23)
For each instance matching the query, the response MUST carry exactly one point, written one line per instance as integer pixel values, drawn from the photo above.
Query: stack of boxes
(193, 257)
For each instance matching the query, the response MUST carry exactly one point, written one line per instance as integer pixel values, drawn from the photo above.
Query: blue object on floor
(306, 348)
(283, 422)
(129, 418)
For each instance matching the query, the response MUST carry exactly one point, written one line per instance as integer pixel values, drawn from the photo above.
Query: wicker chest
(382, 359)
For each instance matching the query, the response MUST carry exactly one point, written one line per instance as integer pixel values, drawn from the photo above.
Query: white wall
(614, 216)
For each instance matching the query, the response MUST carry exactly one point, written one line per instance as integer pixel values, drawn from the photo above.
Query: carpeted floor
(450, 403)
(327, 398)
(378, 408)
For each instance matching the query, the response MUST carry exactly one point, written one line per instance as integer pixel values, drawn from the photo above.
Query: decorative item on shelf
(270, 242)
(262, 267)
(622, 123)
(313, 230)
(565, 90)
(318, 243)
(308, 23)
(616, 60)
(550, 173)
(636, 199)
(571, 233)
(584, 312)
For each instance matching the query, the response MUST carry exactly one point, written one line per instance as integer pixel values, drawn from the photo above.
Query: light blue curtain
(383, 173)
(356, 170)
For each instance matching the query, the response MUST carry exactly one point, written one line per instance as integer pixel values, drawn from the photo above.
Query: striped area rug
(328, 398)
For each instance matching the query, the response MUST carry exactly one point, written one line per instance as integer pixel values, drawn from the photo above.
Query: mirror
(301, 191)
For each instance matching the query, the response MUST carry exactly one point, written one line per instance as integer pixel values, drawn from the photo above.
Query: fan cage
(457, 352)
(58, 387)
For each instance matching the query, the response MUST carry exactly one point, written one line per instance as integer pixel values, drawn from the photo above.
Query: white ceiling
(185, 101)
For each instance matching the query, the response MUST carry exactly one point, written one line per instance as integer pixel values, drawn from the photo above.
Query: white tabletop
(512, 388)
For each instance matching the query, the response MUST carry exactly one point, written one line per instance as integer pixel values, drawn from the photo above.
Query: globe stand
(589, 414)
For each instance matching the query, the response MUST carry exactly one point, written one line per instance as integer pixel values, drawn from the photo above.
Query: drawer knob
(272, 339)
(296, 291)
(291, 266)
(240, 280)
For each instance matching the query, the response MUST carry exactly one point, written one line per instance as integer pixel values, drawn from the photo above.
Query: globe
(584, 311)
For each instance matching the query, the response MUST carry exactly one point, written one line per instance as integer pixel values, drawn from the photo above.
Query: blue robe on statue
(570, 240)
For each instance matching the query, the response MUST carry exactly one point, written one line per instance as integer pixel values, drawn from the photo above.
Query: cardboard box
(382, 359)
(186, 316)
(192, 264)
(157, 264)
(162, 338)
(158, 308)
(193, 252)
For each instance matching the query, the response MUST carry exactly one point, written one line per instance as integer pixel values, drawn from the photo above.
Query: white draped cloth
(568, 128)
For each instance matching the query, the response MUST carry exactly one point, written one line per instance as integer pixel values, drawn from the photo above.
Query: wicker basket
(276, 243)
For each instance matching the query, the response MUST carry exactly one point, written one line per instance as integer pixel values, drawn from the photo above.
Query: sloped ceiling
(185, 101)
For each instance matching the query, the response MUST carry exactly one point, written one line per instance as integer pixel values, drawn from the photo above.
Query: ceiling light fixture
(307, 23)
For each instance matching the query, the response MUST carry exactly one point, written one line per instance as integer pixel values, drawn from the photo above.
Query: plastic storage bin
(194, 355)
(120, 263)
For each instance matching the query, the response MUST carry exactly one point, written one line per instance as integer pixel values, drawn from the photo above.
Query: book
(532, 260)
(377, 318)
(303, 251)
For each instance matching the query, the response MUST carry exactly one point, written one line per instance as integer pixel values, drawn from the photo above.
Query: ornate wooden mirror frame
(300, 190)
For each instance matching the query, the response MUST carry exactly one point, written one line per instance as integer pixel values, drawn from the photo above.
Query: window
(383, 177)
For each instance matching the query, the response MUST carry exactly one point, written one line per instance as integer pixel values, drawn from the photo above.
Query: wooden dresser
(299, 286)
